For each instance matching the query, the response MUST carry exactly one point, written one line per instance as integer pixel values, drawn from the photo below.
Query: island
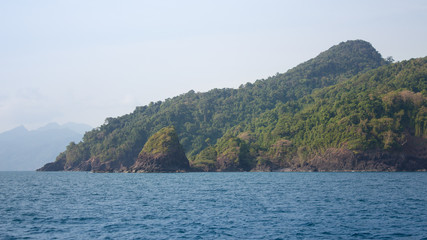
(348, 109)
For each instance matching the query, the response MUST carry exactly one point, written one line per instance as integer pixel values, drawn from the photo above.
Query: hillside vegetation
(346, 109)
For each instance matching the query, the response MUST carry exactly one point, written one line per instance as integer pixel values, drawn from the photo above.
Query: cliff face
(162, 153)
(411, 157)
(346, 160)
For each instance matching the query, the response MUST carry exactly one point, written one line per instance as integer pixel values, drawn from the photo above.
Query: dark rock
(96, 165)
(53, 166)
(58, 165)
(341, 159)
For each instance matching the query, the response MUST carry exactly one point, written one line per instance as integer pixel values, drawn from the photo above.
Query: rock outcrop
(162, 153)
(96, 165)
(58, 165)
(412, 157)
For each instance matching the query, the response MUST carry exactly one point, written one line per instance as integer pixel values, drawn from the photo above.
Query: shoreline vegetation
(348, 109)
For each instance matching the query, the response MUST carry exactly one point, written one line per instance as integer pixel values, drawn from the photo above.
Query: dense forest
(346, 109)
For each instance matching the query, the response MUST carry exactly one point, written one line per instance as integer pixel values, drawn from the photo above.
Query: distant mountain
(346, 109)
(79, 128)
(24, 150)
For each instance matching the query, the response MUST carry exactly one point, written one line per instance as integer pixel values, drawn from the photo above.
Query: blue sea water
(81, 205)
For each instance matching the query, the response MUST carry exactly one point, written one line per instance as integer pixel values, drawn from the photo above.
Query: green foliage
(206, 160)
(233, 154)
(162, 142)
(374, 110)
(74, 153)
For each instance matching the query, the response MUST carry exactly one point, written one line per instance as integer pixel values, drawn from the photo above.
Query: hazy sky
(84, 61)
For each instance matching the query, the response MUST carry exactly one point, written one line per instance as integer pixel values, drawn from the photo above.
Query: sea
(244, 205)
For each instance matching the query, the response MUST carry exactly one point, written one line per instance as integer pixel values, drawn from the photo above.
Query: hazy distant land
(27, 150)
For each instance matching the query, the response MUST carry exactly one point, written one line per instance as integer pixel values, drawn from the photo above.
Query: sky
(83, 61)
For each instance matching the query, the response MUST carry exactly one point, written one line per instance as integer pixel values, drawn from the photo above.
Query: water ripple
(76, 205)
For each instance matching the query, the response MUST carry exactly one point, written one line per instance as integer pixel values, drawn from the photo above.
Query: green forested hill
(348, 97)
(383, 111)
